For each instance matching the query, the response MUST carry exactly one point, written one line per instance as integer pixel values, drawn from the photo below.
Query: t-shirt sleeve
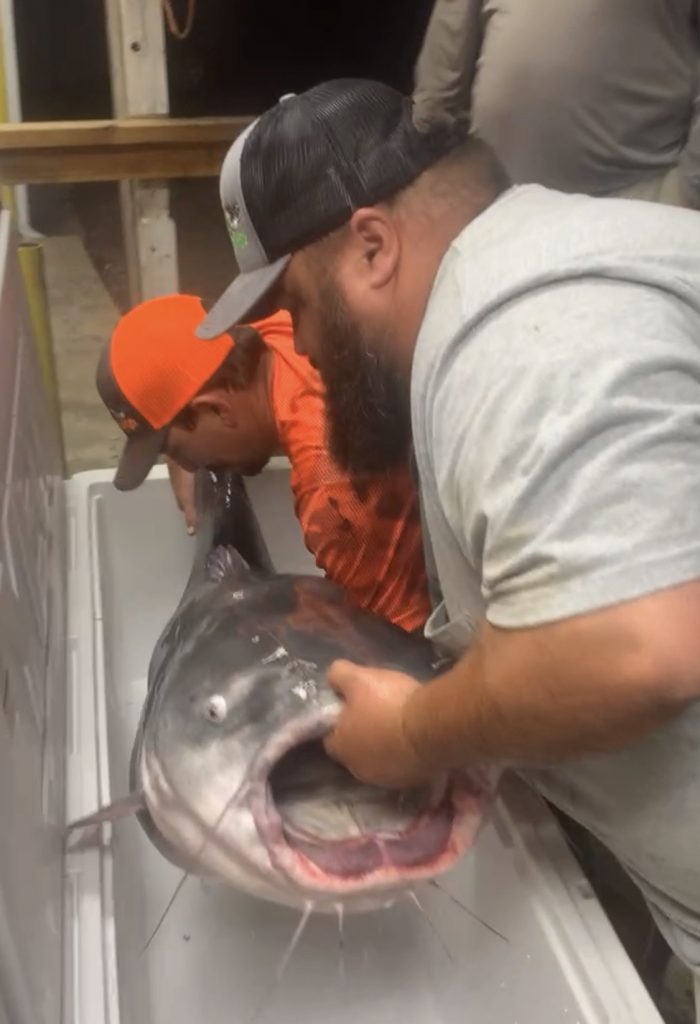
(566, 449)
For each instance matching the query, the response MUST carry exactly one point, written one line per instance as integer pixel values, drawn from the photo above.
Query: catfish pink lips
(444, 826)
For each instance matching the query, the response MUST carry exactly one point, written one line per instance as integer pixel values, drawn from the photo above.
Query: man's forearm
(588, 685)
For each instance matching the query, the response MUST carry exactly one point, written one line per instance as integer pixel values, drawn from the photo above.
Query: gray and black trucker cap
(303, 168)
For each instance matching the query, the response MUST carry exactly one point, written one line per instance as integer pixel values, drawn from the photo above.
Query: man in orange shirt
(235, 402)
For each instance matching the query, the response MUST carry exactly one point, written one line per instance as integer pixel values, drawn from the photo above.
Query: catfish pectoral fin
(123, 807)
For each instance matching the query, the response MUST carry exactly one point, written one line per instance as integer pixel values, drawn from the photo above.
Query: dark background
(240, 57)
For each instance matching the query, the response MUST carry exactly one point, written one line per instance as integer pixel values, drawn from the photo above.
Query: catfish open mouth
(326, 830)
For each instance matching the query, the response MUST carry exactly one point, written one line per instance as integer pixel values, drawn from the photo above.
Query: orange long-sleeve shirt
(364, 532)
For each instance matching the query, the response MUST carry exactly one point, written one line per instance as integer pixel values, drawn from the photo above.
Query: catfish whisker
(165, 913)
(414, 899)
(198, 854)
(282, 966)
(466, 909)
(340, 911)
(267, 995)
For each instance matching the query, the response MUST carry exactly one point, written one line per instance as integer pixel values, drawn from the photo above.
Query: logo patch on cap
(232, 215)
(127, 423)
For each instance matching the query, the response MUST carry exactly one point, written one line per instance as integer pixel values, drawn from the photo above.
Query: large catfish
(229, 777)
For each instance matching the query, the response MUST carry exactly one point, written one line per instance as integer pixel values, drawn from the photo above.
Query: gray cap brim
(239, 298)
(138, 459)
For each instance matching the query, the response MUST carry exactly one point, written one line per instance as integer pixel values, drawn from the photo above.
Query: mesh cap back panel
(314, 159)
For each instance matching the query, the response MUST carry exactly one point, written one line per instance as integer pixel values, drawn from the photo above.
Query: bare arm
(587, 685)
(447, 62)
(594, 683)
(182, 482)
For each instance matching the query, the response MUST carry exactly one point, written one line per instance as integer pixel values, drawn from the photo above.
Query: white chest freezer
(88, 577)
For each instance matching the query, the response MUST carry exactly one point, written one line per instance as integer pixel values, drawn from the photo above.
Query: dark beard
(368, 416)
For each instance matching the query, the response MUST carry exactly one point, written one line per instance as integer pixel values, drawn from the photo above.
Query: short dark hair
(482, 157)
(237, 372)
(470, 176)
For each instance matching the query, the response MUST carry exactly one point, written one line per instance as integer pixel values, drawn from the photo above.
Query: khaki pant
(697, 998)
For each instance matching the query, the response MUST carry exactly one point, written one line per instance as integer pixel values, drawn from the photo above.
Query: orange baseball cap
(152, 368)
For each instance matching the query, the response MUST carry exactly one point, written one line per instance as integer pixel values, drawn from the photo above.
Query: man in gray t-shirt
(594, 96)
(542, 351)
(556, 421)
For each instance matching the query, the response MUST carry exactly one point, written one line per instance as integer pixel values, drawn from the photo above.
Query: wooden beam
(139, 79)
(79, 164)
(137, 64)
(16, 200)
(126, 131)
(132, 148)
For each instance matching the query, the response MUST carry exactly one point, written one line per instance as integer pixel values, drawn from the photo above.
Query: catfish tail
(226, 519)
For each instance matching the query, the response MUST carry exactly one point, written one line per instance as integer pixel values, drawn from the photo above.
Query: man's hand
(182, 481)
(369, 737)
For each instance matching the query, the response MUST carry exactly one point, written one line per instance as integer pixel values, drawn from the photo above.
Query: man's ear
(377, 244)
(247, 352)
(213, 401)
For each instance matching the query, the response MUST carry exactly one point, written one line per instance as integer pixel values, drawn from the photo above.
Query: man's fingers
(330, 745)
(190, 518)
(182, 481)
(343, 675)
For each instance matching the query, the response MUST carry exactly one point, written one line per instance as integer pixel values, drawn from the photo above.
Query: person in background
(237, 401)
(593, 96)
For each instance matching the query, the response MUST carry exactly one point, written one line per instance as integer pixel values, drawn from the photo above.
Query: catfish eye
(215, 708)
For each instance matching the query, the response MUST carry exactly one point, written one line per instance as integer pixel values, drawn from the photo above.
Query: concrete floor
(83, 316)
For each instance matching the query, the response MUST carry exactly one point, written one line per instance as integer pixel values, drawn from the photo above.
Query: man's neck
(414, 290)
(262, 403)
(431, 239)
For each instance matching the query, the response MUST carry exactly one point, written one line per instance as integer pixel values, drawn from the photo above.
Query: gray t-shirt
(556, 414)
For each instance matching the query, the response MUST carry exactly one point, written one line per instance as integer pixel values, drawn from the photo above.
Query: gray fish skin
(238, 679)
